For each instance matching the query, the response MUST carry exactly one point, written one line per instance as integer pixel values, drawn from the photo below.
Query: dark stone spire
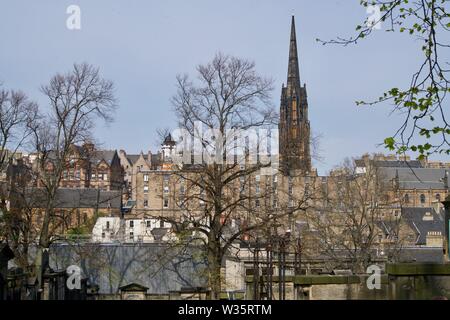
(294, 126)
(293, 80)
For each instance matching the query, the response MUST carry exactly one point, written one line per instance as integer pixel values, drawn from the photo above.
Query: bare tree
(350, 223)
(224, 196)
(16, 112)
(77, 100)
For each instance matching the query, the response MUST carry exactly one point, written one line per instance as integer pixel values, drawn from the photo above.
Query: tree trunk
(214, 269)
(42, 259)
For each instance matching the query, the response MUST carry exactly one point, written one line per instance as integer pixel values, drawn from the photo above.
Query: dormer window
(428, 216)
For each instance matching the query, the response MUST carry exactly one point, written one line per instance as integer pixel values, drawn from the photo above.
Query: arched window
(406, 198)
(422, 198)
(438, 197)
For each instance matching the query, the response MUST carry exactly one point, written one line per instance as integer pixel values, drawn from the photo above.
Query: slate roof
(99, 155)
(420, 178)
(391, 163)
(414, 217)
(132, 158)
(75, 198)
(421, 254)
(160, 267)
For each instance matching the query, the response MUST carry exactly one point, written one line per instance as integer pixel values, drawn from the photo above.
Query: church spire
(293, 81)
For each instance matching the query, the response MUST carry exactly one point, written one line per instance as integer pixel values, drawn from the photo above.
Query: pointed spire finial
(293, 68)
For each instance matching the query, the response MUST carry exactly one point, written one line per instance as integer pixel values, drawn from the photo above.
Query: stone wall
(401, 282)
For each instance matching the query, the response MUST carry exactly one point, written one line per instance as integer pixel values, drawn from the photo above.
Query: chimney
(149, 157)
(88, 146)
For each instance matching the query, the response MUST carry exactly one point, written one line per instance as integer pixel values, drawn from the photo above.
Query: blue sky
(142, 46)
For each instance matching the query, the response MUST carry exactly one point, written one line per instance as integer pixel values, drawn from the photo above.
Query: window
(257, 204)
(93, 176)
(422, 198)
(149, 223)
(145, 189)
(257, 189)
(103, 235)
(166, 203)
(242, 183)
(107, 225)
(166, 189)
(166, 177)
(406, 198)
(146, 177)
(291, 203)
(131, 235)
(161, 224)
(131, 224)
(258, 178)
(145, 203)
(182, 190)
(202, 193)
(438, 197)
(275, 203)
(105, 177)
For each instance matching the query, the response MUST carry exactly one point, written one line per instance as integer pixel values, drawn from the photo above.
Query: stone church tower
(294, 127)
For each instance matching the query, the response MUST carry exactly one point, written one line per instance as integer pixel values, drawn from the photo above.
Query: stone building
(91, 168)
(421, 184)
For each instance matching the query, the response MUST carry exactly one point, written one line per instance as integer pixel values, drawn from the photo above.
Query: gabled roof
(106, 155)
(132, 158)
(415, 218)
(133, 287)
